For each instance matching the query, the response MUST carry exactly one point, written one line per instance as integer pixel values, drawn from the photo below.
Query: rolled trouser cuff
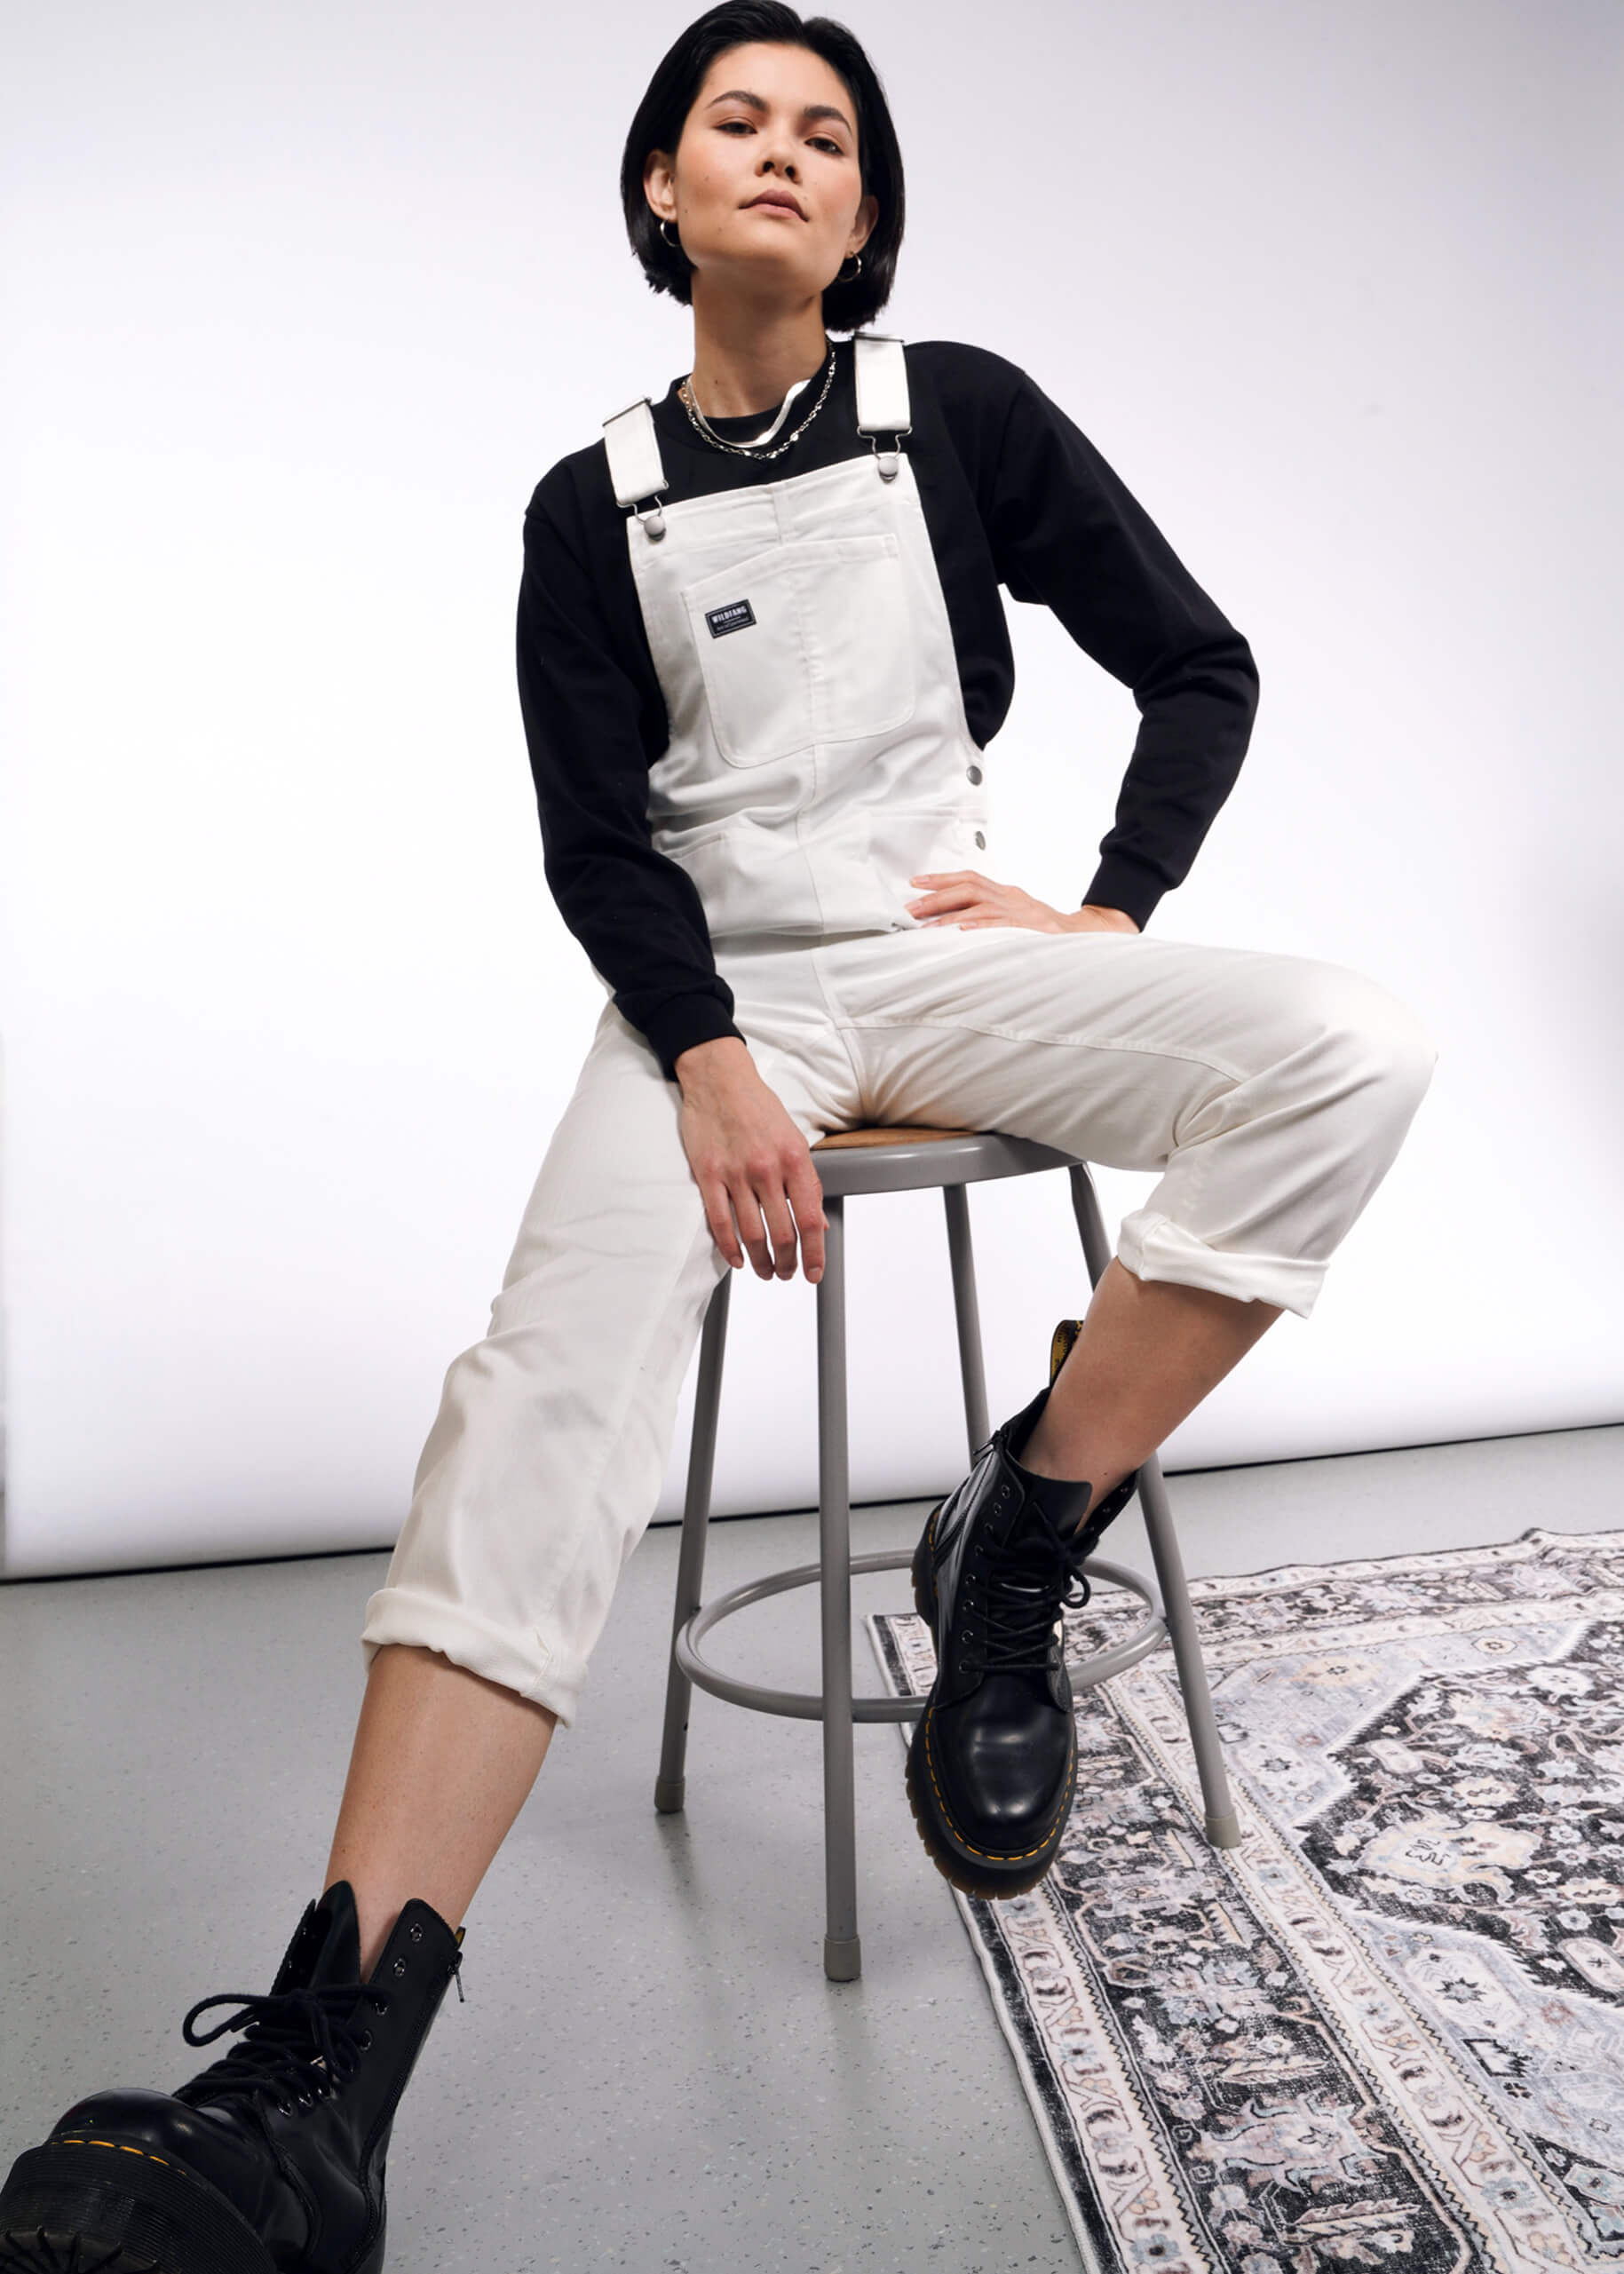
(519, 1659)
(1153, 1247)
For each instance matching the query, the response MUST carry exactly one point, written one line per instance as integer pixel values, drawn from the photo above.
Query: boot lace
(1026, 1588)
(299, 2044)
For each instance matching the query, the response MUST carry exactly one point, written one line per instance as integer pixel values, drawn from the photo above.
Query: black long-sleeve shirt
(1014, 494)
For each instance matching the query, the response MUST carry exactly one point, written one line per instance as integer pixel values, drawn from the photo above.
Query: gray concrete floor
(650, 2072)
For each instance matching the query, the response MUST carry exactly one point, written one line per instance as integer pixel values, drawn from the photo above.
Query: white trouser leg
(1272, 1090)
(545, 1460)
(546, 1457)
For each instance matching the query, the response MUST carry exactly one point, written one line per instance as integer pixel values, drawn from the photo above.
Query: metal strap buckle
(889, 461)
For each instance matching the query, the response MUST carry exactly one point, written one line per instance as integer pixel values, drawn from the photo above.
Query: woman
(761, 654)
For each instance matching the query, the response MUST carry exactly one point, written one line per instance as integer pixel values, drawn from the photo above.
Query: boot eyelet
(378, 2005)
(364, 2040)
(398, 1967)
(415, 1933)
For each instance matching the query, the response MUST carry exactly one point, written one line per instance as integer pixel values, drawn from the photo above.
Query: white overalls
(820, 758)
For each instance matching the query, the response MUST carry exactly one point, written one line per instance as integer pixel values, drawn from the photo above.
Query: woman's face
(767, 117)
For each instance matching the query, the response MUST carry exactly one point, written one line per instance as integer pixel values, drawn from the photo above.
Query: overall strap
(636, 468)
(882, 393)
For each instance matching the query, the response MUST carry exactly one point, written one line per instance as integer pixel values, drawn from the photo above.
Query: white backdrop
(304, 298)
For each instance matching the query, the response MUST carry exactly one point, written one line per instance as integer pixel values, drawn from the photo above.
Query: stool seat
(906, 1160)
(884, 1133)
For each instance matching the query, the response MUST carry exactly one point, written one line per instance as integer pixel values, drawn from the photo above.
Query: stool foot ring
(800, 1705)
(843, 1957)
(669, 1793)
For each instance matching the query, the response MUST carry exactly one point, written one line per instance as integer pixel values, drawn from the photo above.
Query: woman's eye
(820, 142)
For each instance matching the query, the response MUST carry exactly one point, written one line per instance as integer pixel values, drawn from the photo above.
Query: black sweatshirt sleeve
(636, 913)
(1065, 531)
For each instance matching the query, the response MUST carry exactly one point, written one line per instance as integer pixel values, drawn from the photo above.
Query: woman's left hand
(964, 897)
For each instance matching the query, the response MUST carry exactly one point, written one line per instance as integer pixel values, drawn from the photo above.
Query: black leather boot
(992, 1763)
(270, 2161)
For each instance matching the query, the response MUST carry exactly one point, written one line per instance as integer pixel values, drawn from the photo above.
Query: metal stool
(897, 1160)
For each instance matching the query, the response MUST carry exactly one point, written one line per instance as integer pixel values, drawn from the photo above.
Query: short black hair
(663, 112)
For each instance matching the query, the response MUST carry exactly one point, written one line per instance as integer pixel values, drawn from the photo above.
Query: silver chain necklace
(745, 449)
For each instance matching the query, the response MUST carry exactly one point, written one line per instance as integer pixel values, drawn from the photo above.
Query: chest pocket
(806, 643)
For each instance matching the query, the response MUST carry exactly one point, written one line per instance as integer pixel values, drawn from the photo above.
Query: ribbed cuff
(1122, 882)
(678, 1025)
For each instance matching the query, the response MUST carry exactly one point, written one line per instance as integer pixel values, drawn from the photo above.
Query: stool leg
(962, 1257)
(669, 1784)
(1222, 1826)
(843, 1951)
(1091, 1223)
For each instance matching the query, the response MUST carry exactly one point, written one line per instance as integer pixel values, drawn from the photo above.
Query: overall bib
(820, 758)
(819, 755)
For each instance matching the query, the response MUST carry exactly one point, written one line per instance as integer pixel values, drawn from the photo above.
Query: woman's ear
(657, 175)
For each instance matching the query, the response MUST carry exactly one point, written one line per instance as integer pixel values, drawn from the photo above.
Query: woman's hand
(751, 1163)
(964, 897)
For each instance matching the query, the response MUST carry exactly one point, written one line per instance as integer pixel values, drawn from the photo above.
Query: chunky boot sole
(967, 1868)
(100, 2206)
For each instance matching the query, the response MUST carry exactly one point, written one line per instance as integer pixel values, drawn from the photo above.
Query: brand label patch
(733, 617)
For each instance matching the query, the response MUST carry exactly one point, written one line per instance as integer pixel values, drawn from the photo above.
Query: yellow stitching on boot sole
(74, 2140)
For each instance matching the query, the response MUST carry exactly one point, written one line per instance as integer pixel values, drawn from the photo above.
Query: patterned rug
(1389, 2027)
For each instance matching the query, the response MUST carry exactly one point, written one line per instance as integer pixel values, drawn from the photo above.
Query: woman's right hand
(753, 1167)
